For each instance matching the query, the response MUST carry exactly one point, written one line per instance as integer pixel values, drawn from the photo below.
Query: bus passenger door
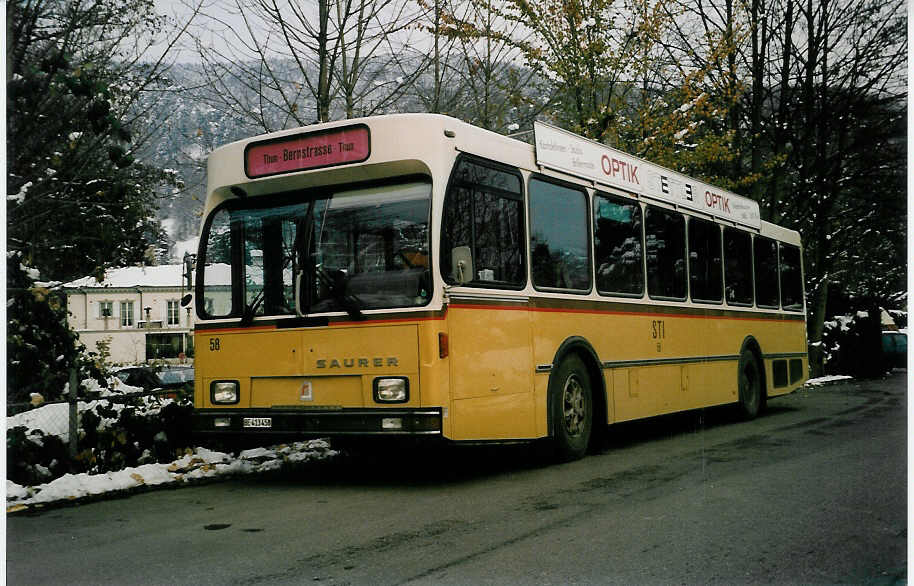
(491, 371)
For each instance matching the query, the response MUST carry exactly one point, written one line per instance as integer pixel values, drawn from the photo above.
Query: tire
(572, 409)
(749, 380)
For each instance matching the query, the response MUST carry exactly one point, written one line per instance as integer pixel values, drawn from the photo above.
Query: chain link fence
(95, 431)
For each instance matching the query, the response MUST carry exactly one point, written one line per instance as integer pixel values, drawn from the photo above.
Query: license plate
(257, 422)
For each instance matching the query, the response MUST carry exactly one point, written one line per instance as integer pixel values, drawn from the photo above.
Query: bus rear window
(766, 272)
(791, 278)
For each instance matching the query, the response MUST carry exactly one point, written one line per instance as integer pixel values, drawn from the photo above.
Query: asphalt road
(811, 492)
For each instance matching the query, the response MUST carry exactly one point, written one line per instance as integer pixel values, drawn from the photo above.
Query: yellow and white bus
(415, 275)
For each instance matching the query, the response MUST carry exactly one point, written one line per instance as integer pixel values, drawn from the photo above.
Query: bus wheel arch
(752, 387)
(576, 353)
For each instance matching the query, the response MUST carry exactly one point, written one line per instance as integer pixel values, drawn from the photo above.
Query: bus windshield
(339, 251)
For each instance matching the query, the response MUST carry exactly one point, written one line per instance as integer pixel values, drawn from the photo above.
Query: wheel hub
(573, 406)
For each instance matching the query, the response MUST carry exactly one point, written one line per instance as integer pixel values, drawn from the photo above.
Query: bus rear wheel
(572, 409)
(750, 386)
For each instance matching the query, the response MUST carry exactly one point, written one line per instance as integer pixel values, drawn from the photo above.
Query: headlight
(391, 390)
(223, 392)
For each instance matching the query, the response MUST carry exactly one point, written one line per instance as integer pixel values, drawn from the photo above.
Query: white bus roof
(567, 152)
(399, 143)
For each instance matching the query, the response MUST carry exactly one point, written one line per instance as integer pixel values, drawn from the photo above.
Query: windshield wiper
(336, 282)
(251, 308)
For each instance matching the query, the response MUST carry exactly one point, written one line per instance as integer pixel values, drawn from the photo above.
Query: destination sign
(565, 151)
(313, 150)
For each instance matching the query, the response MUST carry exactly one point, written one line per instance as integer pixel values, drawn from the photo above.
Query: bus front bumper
(316, 423)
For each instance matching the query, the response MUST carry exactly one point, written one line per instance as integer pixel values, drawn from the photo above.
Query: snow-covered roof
(153, 276)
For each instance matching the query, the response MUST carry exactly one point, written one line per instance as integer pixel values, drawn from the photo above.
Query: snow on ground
(52, 419)
(198, 464)
(816, 382)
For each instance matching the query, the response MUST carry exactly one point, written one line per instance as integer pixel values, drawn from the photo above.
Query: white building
(137, 310)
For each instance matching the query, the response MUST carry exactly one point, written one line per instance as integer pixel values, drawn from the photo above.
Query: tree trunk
(817, 330)
(759, 56)
(323, 54)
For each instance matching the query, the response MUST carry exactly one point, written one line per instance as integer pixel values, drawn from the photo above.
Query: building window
(164, 345)
(173, 313)
(105, 309)
(127, 314)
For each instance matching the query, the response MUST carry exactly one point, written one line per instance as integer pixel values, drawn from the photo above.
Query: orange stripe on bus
(387, 321)
(629, 313)
(443, 315)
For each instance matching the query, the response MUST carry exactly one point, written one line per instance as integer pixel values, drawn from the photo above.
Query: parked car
(177, 378)
(895, 349)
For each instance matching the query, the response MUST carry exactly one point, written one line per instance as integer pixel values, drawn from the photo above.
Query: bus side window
(738, 266)
(560, 255)
(617, 226)
(766, 271)
(665, 245)
(791, 278)
(484, 211)
(704, 261)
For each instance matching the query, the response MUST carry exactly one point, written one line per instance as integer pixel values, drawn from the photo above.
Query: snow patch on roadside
(197, 464)
(817, 382)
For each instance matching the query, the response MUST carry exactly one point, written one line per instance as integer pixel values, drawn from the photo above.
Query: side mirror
(185, 301)
(189, 260)
(462, 264)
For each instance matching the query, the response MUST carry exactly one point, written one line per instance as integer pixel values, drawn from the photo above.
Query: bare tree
(497, 93)
(282, 63)
(825, 90)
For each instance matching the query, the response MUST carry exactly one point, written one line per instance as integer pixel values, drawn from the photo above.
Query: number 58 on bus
(413, 275)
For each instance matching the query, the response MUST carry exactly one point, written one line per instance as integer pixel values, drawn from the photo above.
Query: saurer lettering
(376, 361)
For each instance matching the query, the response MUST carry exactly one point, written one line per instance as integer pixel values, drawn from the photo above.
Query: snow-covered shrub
(853, 345)
(114, 438)
(116, 430)
(34, 457)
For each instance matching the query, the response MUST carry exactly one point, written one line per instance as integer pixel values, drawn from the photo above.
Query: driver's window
(217, 270)
(269, 242)
(253, 255)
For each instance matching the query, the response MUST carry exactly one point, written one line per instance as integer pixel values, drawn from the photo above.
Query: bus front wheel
(572, 409)
(750, 386)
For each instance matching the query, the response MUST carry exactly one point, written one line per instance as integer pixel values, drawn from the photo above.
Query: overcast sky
(205, 26)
